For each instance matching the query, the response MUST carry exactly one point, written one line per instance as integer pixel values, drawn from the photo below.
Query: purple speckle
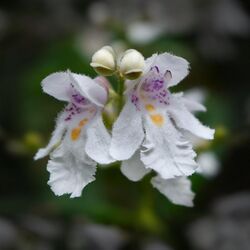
(77, 98)
(71, 110)
(163, 93)
(154, 87)
(77, 105)
(135, 100)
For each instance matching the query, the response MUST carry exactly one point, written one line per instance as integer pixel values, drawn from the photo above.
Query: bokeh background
(38, 37)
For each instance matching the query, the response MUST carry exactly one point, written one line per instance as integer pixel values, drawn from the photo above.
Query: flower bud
(132, 64)
(103, 61)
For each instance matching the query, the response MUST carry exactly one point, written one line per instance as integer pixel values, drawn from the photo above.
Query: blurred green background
(44, 36)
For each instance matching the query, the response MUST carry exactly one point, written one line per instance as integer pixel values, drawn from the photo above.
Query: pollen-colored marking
(83, 122)
(149, 107)
(157, 119)
(75, 133)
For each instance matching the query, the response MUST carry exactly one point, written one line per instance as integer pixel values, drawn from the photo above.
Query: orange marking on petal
(157, 119)
(149, 107)
(83, 122)
(75, 133)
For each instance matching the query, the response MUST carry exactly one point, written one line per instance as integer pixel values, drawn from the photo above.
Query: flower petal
(191, 104)
(196, 94)
(178, 66)
(134, 168)
(70, 169)
(184, 119)
(89, 89)
(165, 149)
(98, 141)
(57, 85)
(177, 190)
(55, 139)
(127, 134)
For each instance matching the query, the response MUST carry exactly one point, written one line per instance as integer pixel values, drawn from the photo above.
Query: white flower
(80, 138)
(152, 126)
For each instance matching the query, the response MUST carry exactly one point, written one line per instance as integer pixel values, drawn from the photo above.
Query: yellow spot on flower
(157, 119)
(75, 133)
(149, 107)
(83, 122)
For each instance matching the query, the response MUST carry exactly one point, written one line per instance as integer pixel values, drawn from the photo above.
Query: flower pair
(150, 134)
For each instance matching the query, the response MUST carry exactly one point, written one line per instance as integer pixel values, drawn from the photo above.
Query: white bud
(103, 61)
(132, 64)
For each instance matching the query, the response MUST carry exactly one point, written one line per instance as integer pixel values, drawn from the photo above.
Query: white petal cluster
(80, 139)
(151, 133)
